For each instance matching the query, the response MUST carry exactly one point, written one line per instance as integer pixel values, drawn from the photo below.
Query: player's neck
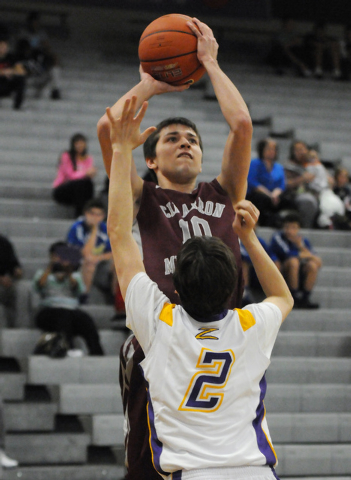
(186, 187)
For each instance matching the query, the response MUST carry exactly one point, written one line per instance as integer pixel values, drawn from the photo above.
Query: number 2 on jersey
(205, 391)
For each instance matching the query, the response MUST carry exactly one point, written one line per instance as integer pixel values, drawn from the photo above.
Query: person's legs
(55, 320)
(18, 87)
(265, 206)
(8, 297)
(75, 192)
(83, 326)
(307, 206)
(290, 270)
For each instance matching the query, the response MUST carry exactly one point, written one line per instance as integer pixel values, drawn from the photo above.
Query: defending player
(167, 216)
(204, 364)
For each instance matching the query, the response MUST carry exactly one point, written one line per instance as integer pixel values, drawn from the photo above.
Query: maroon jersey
(166, 219)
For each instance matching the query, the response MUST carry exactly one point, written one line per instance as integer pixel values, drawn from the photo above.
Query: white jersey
(206, 381)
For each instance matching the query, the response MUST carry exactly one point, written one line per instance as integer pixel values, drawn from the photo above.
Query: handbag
(52, 344)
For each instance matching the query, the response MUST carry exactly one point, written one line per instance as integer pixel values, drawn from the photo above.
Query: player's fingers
(146, 134)
(194, 29)
(139, 117)
(109, 114)
(203, 27)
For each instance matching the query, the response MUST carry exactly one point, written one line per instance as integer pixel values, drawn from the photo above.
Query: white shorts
(226, 473)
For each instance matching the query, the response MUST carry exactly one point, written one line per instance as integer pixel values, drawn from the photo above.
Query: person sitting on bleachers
(342, 189)
(266, 184)
(296, 260)
(10, 271)
(330, 205)
(60, 287)
(297, 184)
(73, 184)
(89, 234)
(12, 73)
(41, 49)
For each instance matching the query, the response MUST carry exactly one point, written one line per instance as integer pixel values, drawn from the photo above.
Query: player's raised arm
(125, 135)
(270, 278)
(237, 152)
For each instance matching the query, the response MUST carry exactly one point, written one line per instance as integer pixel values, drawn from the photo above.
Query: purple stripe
(274, 473)
(262, 441)
(177, 475)
(156, 445)
(212, 318)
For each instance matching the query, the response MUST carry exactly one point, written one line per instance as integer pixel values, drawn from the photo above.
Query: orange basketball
(168, 50)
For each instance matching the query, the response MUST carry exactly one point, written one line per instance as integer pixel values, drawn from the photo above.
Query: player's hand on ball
(246, 217)
(207, 46)
(158, 86)
(125, 130)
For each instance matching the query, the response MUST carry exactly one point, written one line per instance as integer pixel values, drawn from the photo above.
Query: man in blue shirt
(296, 260)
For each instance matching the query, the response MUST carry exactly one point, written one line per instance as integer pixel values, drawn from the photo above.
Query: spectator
(345, 49)
(266, 184)
(251, 283)
(10, 271)
(12, 72)
(330, 205)
(288, 50)
(342, 188)
(296, 260)
(89, 234)
(324, 51)
(41, 49)
(73, 184)
(60, 287)
(297, 183)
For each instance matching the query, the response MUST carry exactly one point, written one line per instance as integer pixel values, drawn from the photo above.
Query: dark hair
(151, 142)
(205, 276)
(94, 203)
(292, 218)
(261, 145)
(72, 152)
(292, 146)
(56, 245)
(4, 33)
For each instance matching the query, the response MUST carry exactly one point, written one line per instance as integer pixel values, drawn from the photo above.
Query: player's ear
(151, 163)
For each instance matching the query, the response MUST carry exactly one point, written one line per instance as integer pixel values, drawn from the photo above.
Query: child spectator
(251, 282)
(342, 188)
(296, 260)
(330, 205)
(10, 271)
(73, 184)
(60, 287)
(266, 184)
(12, 72)
(89, 234)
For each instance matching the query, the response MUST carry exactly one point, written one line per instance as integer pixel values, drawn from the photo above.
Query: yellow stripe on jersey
(265, 434)
(166, 314)
(246, 319)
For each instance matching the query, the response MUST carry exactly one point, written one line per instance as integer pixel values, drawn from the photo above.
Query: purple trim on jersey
(274, 473)
(155, 444)
(212, 318)
(262, 441)
(177, 475)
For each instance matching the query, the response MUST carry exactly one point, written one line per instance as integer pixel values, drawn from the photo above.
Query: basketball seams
(165, 31)
(169, 58)
(187, 77)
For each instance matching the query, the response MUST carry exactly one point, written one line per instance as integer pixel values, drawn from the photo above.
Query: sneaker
(75, 353)
(7, 462)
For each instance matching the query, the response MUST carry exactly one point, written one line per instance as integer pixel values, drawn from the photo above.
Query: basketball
(168, 50)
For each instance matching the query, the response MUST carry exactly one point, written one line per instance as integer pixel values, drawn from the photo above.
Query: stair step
(89, 399)
(329, 398)
(310, 344)
(62, 472)
(104, 429)
(310, 427)
(328, 460)
(29, 416)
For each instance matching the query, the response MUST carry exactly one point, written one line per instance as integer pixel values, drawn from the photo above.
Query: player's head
(205, 276)
(174, 150)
